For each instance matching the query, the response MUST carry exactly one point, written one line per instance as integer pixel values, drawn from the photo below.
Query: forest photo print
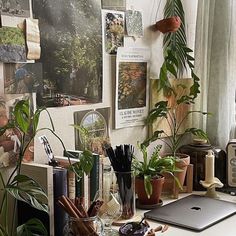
(71, 56)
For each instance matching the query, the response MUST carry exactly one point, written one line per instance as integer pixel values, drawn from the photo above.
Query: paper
(134, 23)
(32, 39)
(131, 87)
(113, 30)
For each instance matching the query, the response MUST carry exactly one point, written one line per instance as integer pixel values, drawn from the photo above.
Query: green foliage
(153, 166)
(86, 157)
(21, 187)
(164, 111)
(177, 59)
(177, 56)
(26, 189)
(12, 36)
(32, 227)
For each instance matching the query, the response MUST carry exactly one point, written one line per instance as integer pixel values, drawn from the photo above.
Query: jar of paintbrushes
(121, 160)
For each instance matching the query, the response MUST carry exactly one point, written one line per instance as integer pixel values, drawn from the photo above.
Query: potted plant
(21, 187)
(175, 105)
(149, 179)
(167, 25)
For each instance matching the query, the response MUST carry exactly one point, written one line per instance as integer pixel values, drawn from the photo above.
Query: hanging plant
(168, 25)
(177, 55)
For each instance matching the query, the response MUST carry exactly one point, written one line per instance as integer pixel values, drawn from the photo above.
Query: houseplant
(174, 106)
(21, 187)
(148, 172)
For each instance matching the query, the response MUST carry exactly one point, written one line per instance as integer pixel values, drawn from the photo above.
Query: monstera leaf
(25, 189)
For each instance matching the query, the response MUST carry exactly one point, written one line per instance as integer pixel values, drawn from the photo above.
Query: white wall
(63, 117)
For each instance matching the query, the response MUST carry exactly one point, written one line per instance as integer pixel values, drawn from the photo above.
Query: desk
(226, 227)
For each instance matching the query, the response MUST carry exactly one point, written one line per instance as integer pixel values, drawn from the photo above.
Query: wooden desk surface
(227, 227)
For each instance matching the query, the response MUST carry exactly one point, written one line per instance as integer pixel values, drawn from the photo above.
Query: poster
(113, 30)
(131, 106)
(96, 121)
(71, 51)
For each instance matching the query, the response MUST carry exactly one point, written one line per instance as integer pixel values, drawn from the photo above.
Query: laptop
(193, 212)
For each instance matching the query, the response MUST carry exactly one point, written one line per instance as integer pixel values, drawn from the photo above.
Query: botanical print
(96, 123)
(22, 78)
(132, 85)
(19, 8)
(12, 45)
(71, 56)
(134, 23)
(113, 30)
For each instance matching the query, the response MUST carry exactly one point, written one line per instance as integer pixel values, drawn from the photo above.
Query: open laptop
(194, 212)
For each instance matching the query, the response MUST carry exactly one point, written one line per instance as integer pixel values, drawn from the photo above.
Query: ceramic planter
(170, 185)
(157, 184)
(167, 25)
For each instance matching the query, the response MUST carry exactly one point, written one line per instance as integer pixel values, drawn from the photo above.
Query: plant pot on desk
(170, 186)
(157, 184)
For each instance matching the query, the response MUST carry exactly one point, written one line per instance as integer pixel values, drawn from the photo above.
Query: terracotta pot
(170, 185)
(157, 184)
(167, 25)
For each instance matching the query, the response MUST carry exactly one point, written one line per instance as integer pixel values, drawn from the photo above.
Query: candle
(210, 167)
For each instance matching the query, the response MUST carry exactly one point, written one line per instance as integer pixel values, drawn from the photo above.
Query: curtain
(215, 64)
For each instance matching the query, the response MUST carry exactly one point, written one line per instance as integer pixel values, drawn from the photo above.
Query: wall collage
(51, 53)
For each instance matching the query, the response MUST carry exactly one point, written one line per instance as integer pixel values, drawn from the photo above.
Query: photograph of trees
(71, 42)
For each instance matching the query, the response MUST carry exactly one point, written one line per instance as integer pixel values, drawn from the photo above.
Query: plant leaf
(32, 227)
(22, 115)
(148, 185)
(3, 231)
(198, 132)
(26, 189)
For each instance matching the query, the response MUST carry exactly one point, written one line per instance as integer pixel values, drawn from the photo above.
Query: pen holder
(126, 186)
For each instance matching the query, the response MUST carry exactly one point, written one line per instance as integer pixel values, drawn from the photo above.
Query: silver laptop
(193, 212)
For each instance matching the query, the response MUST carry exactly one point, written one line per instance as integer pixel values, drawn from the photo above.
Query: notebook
(193, 212)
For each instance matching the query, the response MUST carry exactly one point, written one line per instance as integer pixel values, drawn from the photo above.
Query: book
(88, 185)
(60, 188)
(43, 174)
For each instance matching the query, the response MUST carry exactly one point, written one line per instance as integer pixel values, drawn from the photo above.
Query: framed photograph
(96, 122)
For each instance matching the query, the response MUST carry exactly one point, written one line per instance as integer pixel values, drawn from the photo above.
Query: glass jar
(91, 226)
(126, 188)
